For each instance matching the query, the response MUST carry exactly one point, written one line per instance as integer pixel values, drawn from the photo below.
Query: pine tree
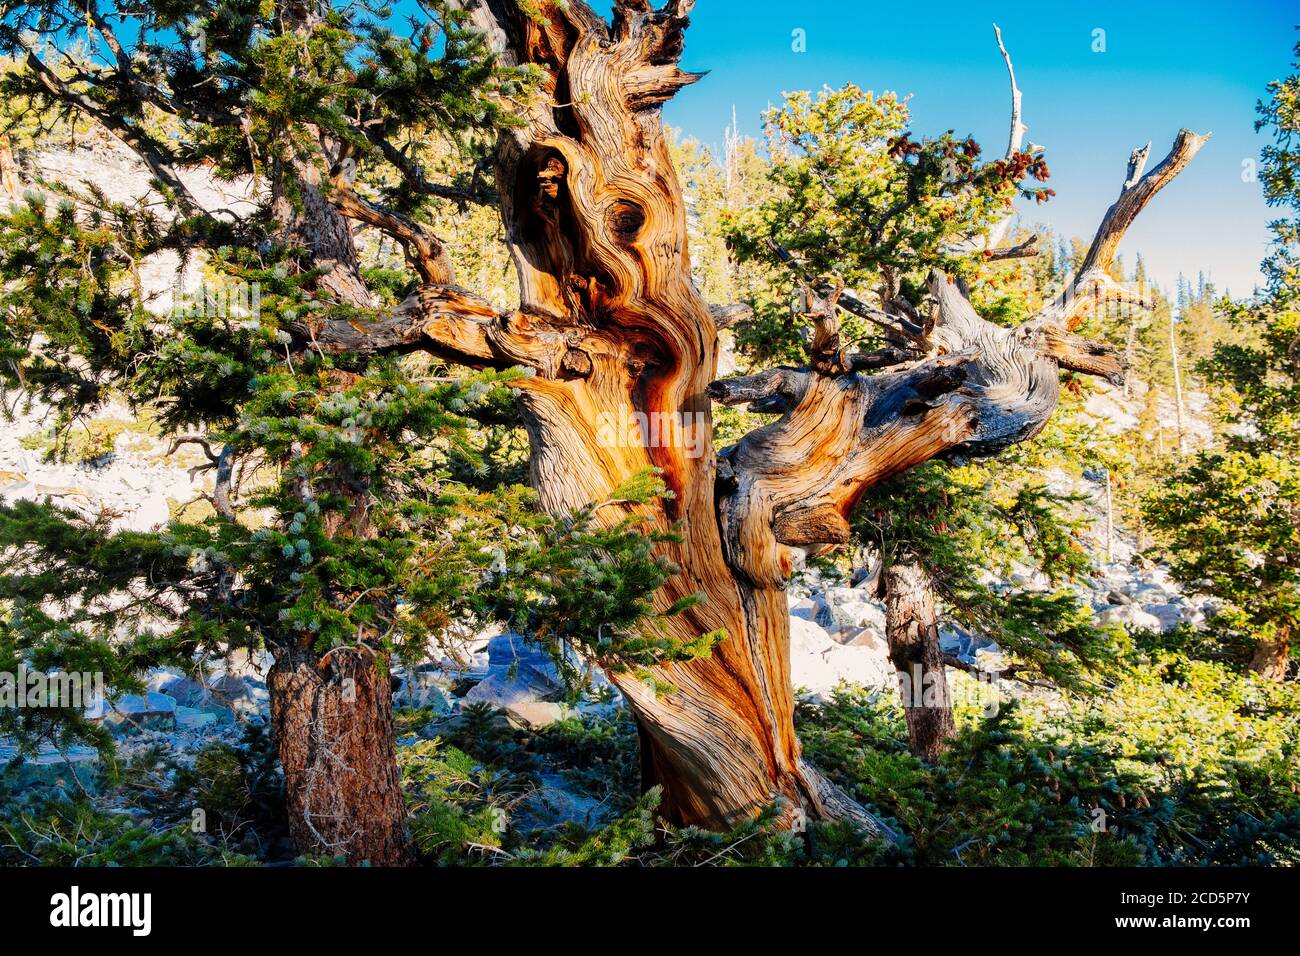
(1229, 514)
(362, 511)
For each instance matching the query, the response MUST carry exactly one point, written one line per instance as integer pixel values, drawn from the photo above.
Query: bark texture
(1272, 658)
(913, 634)
(333, 722)
(616, 332)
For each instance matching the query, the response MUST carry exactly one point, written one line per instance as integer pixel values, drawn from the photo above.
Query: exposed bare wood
(1179, 407)
(1016, 137)
(820, 524)
(1093, 283)
(1078, 354)
(826, 355)
(784, 383)
(424, 251)
(1015, 141)
(1272, 658)
(612, 324)
(199, 440)
(881, 358)
(459, 326)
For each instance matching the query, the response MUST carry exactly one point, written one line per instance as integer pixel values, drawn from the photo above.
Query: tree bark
(913, 634)
(596, 223)
(333, 722)
(612, 325)
(1272, 658)
(1110, 519)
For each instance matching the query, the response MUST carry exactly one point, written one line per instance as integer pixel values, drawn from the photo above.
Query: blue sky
(1166, 65)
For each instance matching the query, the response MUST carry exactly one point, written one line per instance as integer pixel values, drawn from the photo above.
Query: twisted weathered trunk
(913, 634)
(625, 352)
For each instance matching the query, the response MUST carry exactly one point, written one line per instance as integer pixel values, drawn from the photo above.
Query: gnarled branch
(767, 391)
(1022, 250)
(424, 251)
(143, 145)
(1093, 283)
(1015, 140)
(458, 326)
(974, 389)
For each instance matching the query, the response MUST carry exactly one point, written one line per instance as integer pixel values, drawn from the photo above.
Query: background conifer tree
(1230, 515)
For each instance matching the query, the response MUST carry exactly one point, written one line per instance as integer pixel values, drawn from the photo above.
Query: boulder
(48, 767)
(509, 648)
(818, 663)
(1131, 618)
(1175, 613)
(869, 638)
(160, 678)
(200, 722)
(222, 694)
(805, 608)
(423, 688)
(1145, 592)
(841, 607)
(867, 577)
(132, 713)
(522, 697)
(521, 680)
(962, 643)
(151, 513)
(1028, 579)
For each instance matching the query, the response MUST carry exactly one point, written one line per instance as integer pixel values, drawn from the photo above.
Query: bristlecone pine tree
(849, 193)
(610, 324)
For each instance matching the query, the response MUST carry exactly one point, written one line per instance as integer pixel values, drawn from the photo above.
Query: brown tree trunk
(1272, 658)
(333, 723)
(913, 635)
(1178, 383)
(9, 181)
